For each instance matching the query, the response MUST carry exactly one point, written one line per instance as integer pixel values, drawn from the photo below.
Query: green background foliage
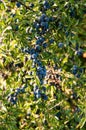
(65, 107)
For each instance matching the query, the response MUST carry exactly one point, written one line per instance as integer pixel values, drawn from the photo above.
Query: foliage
(42, 65)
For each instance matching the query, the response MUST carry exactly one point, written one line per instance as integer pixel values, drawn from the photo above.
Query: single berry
(60, 45)
(18, 4)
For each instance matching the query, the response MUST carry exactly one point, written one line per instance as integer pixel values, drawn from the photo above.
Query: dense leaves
(42, 64)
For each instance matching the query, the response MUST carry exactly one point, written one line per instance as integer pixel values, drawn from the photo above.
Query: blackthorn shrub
(42, 65)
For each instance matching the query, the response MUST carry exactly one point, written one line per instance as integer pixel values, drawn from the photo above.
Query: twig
(27, 7)
(4, 3)
(56, 105)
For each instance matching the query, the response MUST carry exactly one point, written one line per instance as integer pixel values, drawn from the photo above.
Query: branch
(27, 7)
(4, 3)
(56, 105)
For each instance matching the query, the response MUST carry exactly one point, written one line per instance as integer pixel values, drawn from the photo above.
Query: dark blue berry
(51, 19)
(46, 5)
(77, 75)
(44, 45)
(34, 56)
(16, 28)
(74, 69)
(58, 115)
(60, 45)
(31, 5)
(38, 48)
(80, 52)
(43, 16)
(51, 40)
(18, 4)
(44, 96)
(81, 70)
(32, 51)
(44, 89)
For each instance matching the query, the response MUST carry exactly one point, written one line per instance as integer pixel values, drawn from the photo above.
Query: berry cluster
(42, 24)
(77, 71)
(40, 69)
(40, 93)
(13, 97)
